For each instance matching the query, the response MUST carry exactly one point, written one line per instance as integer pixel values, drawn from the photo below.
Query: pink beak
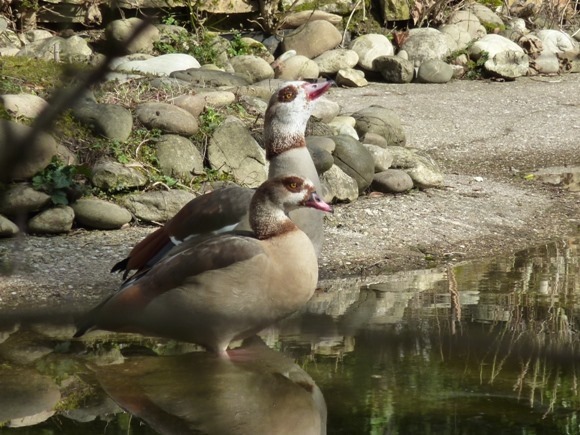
(316, 202)
(315, 90)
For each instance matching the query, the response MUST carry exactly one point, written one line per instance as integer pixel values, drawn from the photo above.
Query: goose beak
(314, 201)
(315, 90)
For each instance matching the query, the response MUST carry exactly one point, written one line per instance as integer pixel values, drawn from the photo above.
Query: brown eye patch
(293, 184)
(287, 94)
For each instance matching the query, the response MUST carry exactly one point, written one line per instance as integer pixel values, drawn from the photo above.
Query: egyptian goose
(228, 286)
(222, 210)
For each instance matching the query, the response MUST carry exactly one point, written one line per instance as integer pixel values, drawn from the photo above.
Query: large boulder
(355, 160)
(312, 39)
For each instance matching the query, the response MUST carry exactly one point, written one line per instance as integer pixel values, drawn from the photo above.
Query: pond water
(482, 347)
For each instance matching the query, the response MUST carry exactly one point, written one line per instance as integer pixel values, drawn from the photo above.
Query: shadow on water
(482, 347)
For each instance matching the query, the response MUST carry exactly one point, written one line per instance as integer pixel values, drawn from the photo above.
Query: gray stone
(10, 39)
(424, 171)
(157, 206)
(38, 154)
(567, 177)
(351, 78)
(369, 47)
(426, 43)
(121, 30)
(312, 39)
(322, 159)
(337, 186)
(167, 117)
(293, 20)
(162, 65)
(73, 49)
(395, 69)
(35, 35)
(26, 105)
(505, 58)
(109, 120)
(434, 71)
(113, 176)
(558, 41)
(22, 198)
(52, 221)
(354, 159)
(297, 67)
(331, 61)
(232, 149)
(458, 35)
(344, 125)
(392, 181)
(210, 78)
(382, 157)
(382, 121)
(178, 157)
(100, 214)
(374, 139)
(325, 109)
(486, 15)
(253, 67)
(469, 22)
(7, 227)
(323, 142)
(195, 104)
(546, 63)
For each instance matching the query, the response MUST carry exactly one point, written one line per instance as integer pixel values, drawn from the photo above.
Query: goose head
(275, 198)
(287, 115)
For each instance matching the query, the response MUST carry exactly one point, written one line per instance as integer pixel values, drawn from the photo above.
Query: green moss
(491, 27)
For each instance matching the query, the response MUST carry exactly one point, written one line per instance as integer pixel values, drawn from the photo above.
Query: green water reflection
(478, 348)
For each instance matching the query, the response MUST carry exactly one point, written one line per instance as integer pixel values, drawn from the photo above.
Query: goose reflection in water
(258, 391)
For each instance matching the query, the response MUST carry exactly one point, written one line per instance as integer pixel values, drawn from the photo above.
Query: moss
(491, 27)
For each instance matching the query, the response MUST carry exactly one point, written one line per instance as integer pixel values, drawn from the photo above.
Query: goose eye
(293, 185)
(287, 94)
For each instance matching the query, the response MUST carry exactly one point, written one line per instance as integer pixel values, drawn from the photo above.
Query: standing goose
(229, 286)
(225, 209)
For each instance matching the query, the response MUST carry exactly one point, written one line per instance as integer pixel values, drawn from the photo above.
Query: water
(478, 348)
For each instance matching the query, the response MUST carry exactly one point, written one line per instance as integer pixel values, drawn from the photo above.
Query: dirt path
(493, 131)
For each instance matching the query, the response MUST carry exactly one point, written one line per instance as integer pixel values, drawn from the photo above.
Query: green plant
(239, 47)
(475, 68)
(61, 182)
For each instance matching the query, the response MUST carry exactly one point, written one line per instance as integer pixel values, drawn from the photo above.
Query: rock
(382, 121)
(52, 221)
(505, 57)
(322, 159)
(121, 30)
(486, 16)
(162, 65)
(23, 105)
(374, 139)
(323, 142)
(7, 227)
(73, 49)
(395, 69)
(210, 78)
(296, 19)
(312, 39)
(233, 150)
(167, 117)
(567, 177)
(392, 181)
(195, 104)
(325, 109)
(546, 63)
(344, 125)
(381, 156)
(297, 67)
(469, 22)
(426, 43)
(108, 120)
(22, 198)
(434, 71)
(338, 186)
(178, 157)
(421, 168)
(100, 214)
(369, 47)
(38, 154)
(460, 37)
(351, 78)
(557, 41)
(157, 206)
(253, 67)
(354, 159)
(113, 176)
(331, 61)
(35, 35)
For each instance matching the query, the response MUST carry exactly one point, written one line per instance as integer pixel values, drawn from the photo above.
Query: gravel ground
(485, 135)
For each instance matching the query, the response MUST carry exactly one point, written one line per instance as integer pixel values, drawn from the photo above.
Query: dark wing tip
(120, 266)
